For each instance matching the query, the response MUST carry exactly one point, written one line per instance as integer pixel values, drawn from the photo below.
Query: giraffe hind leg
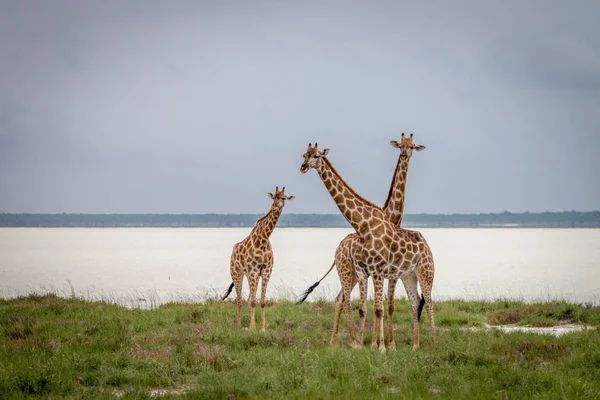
(425, 276)
(237, 276)
(349, 322)
(345, 270)
(429, 307)
(410, 284)
(338, 313)
(238, 300)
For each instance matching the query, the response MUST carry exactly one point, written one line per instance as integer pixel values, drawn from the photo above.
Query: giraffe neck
(351, 204)
(394, 204)
(266, 224)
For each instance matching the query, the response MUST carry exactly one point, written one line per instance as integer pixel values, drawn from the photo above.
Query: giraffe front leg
(378, 311)
(253, 281)
(390, 316)
(362, 310)
(374, 329)
(263, 297)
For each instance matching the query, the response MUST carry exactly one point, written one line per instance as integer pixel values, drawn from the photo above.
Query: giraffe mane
(392, 184)
(347, 185)
(261, 219)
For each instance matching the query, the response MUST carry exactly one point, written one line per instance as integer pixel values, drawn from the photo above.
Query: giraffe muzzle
(303, 168)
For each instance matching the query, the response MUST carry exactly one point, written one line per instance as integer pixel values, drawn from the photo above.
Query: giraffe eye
(316, 156)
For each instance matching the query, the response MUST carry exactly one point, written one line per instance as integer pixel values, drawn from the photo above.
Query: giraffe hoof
(392, 346)
(355, 345)
(382, 349)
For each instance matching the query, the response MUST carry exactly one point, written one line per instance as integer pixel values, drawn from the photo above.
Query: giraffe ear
(270, 195)
(290, 197)
(419, 147)
(395, 144)
(324, 152)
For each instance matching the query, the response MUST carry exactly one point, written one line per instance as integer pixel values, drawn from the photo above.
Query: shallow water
(154, 265)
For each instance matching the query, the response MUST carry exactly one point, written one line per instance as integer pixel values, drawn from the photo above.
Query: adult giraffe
(253, 258)
(388, 252)
(347, 254)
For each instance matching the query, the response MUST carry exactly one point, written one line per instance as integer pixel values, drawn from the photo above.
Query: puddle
(154, 393)
(557, 330)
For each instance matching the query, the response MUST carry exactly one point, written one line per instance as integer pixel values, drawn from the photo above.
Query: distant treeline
(568, 219)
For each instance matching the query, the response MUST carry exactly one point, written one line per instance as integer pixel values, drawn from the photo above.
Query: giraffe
(347, 254)
(253, 258)
(388, 252)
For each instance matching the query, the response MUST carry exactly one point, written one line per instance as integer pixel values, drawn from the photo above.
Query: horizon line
(304, 213)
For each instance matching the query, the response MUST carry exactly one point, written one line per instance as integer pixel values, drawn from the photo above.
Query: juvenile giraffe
(387, 252)
(253, 258)
(348, 251)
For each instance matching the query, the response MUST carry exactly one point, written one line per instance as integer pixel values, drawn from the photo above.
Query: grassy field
(52, 347)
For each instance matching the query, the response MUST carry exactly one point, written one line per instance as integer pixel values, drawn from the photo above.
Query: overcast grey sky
(197, 107)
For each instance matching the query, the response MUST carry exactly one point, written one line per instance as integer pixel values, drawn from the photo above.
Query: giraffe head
(279, 197)
(312, 157)
(406, 146)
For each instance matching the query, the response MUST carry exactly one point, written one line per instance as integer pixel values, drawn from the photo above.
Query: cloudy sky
(204, 106)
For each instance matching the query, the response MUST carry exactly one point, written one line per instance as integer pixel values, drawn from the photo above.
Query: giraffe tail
(313, 286)
(228, 291)
(421, 304)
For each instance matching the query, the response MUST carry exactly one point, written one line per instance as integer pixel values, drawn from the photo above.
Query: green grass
(52, 347)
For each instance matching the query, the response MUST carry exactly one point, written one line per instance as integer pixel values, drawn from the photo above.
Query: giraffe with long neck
(394, 210)
(253, 258)
(387, 252)
(347, 255)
